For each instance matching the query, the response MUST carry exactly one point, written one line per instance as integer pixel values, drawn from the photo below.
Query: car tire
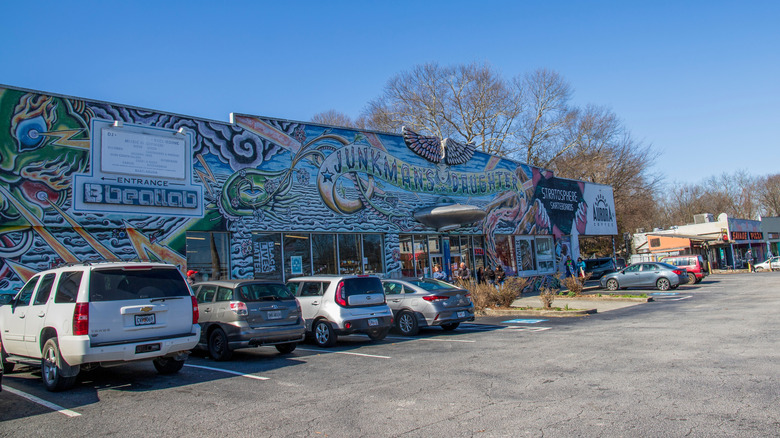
(450, 327)
(407, 324)
(286, 348)
(759, 269)
(612, 284)
(663, 284)
(691, 278)
(51, 367)
(324, 336)
(165, 365)
(8, 367)
(219, 349)
(378, 334)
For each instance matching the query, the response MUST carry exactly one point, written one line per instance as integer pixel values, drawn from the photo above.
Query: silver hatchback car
(247, 313)
(339, 305)
(425, 302)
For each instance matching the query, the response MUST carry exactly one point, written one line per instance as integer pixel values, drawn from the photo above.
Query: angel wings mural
(436, 150)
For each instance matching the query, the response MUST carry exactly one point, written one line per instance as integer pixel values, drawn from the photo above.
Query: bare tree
(469, 103)
(769, 194)
(333, 118)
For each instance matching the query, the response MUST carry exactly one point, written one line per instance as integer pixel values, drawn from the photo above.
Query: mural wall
(91, 181)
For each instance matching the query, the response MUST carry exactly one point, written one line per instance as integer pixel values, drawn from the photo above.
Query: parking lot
(700, 361)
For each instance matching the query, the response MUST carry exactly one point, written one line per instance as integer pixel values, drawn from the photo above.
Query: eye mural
(86, 181)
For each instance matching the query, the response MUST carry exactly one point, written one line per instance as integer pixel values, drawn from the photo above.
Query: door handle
(396, 301)
(315, 303)
(206, 310)
(41, 314)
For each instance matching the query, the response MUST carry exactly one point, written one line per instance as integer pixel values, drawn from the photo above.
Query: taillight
(435, 297)
(81, 319)
(341, 300)
(239, 307)
(195, 310)
(678, 272)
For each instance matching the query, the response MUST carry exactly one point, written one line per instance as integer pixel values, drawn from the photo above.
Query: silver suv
(339, 305)
(91, 314)
(247, 313)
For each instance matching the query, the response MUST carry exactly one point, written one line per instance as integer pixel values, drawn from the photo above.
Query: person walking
(500, 275)
(464, 274)
(569, 267)
(490, 275)
(580, 267)
(191, 277)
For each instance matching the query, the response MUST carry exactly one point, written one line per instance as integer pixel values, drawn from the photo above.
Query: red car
(693, 263)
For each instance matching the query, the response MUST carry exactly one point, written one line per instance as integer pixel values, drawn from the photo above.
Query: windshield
(432, 284)
(264, 292)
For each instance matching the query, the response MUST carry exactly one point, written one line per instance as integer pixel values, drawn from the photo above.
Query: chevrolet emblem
(147, 309)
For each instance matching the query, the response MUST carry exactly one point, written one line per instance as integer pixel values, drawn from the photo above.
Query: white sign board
(134, 153)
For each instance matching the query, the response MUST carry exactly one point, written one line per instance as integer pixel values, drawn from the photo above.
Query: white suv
(339, 305)
(106, 313)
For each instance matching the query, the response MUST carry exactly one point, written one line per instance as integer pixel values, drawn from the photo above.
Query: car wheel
(759, 269)
(378, 334)
(323, 334)
(663, 284)
(51, 367)
(8, 367)
(407, 324)
(286, 348)
(165, 365)
(450, 327)
(218, 345)
(612, 284)
(691, 278)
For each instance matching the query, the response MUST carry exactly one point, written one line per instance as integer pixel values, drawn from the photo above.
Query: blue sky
(699, 80)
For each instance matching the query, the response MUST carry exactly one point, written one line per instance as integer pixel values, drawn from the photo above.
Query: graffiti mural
(70, 191)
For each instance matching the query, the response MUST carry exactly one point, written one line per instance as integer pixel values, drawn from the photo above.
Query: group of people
(463, 273)
(574, 269)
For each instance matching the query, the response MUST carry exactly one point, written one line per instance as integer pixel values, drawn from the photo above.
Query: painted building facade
(267, 198)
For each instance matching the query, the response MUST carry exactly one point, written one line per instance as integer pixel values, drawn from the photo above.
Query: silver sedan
(425, 302)
(646, 274)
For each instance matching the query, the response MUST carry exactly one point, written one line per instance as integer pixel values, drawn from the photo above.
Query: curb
(550, 313)
(605, 298)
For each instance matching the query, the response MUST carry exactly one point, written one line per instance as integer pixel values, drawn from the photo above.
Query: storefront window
(455, 254)
(349, 254)
(297, 255)
(407, 255)
(372, 254)
(209, 254)
(323, 248)
(478, 247)
(421, 257)
(526, 255)
(268, 256)
(505, 254)
(545, 254)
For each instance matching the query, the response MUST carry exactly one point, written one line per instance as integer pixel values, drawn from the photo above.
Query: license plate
(461, 314)
(144, 319)
(274, 314)
(146, 348)
(373, 322)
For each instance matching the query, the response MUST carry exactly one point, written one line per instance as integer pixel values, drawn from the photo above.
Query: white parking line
(42, 402)
(344, 352)
(429, 339)
(248, 376)
(678, 299)
(528, 329)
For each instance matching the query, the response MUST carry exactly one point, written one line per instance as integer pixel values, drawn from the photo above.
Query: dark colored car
(247, 313)
(599, 267)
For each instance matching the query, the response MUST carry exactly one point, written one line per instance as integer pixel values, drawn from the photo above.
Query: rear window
(432, 285)
(365, 285)
(264, 292)
(120, 284)
(68, 287)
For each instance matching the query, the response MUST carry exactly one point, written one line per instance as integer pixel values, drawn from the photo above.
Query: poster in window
(545, 255)
(526, 255)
